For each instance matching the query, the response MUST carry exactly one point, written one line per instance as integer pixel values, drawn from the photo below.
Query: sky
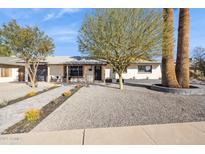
(63, 26)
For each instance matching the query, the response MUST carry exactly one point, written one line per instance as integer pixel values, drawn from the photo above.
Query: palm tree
(182, 63)
(168, 69)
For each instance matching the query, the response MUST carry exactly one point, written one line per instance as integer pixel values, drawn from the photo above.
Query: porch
(75, 73)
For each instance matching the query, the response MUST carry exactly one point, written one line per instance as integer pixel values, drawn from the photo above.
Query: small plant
(108, 80)
(67, 93)
(3, 103)
(32, 114)
(32, 93)
(78, 86)
(55, 86)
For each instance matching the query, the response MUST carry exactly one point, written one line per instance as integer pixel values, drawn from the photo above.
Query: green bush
(32, 93)
(3, 103)
(67, 93)
(108, 80)
(32, 114)
(78, 86)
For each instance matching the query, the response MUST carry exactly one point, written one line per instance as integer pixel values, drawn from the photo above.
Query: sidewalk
(181, 133)
(12, 114)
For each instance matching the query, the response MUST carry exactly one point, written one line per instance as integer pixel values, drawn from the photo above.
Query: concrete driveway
(13, 90)
(13, 113)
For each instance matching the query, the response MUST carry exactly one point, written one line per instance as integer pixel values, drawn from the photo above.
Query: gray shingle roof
(73, 60)
(11, 61)
(147, 62)
(65, 60)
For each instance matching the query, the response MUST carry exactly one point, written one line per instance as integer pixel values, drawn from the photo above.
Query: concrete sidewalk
(178, 133)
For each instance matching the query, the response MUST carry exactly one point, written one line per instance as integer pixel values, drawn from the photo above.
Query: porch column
(103, 73)
(26, 74)
(67, 74)
(48, 74)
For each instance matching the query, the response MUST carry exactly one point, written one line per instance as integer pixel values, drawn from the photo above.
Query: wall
(108, 72)
(56, 70)
(104, 73)
(132, 72)
(14, 76)
(88, 74)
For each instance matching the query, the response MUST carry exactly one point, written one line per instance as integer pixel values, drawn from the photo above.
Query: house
(10, 69)
(75, 69)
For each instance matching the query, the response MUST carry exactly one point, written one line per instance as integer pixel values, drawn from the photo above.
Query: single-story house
(74, 69)
(11, 69)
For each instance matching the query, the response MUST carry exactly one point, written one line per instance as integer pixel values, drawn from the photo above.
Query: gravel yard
(107, 106)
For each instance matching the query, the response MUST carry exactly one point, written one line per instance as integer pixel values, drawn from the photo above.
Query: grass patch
(26, 125)
(29, 95)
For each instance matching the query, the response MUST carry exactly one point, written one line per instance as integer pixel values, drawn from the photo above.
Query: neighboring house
(11, 69)
(74, 69)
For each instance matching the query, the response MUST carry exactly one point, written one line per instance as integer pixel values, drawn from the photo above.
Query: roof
(73, 60)
(66, 60)
(14, 61)
(147, 62)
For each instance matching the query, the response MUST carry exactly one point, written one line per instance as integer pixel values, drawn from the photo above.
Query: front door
(21, 74)
(41, 73)
(98, 73)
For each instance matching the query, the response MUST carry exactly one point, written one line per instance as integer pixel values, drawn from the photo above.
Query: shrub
(32, 93)
(67, 93)
(122, 80)
(55, 86)
(78, 86)
(32, 114)
(3, 103)
(108, 80)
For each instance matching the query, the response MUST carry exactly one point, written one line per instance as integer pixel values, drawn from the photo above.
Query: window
(145, 68)
(76, 71)
(5, 72)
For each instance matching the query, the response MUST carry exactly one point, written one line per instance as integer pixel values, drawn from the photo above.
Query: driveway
(13, 113)
(13, 90)
(107, 106)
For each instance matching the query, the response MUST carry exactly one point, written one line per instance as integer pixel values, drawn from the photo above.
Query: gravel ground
(107, 106)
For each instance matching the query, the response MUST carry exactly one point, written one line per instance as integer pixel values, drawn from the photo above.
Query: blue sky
(63, 25)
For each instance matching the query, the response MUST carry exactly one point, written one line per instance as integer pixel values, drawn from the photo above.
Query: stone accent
(196, 90)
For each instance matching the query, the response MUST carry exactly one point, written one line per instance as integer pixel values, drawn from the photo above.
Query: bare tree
(27, 43)
(121, 36)
(199, 59)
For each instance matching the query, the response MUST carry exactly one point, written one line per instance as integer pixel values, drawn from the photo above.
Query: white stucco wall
(14, 76)
(56, 70)
(88, 73)
(132, 73)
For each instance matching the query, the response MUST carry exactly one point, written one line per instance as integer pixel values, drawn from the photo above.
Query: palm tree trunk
(182, 63)
(168, 69)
